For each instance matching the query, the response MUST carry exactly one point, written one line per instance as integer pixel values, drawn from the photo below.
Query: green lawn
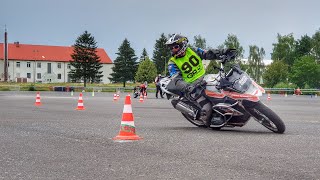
(77, 86)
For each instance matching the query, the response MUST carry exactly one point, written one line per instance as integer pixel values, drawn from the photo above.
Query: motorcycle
(139, 90)
(234, 97)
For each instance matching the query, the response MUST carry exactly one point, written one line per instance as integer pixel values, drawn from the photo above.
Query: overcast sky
(60, 22)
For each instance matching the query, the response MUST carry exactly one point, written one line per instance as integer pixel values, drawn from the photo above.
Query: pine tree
(85, 61)
(125, 65)
(144, 55)
(161, 54)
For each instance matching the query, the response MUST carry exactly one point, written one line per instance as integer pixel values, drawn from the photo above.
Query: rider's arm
(210, 54)
(178, 84)
(173, 68)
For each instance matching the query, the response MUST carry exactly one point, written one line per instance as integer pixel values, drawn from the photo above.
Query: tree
(199, 42)
(125, 65)
(161, 54)
(85, 61)
(306, 72)
(147, 71)
(255, 61)
(144, 54)
(232, 42)
(275, 73)
(303, 46)
(316, 45)
(284, 49)
(210, 69)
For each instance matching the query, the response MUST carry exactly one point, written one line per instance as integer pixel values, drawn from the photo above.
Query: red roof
(28, 52)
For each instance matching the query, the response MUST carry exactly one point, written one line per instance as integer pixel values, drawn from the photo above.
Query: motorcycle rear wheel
(196, 122)
(266, 117)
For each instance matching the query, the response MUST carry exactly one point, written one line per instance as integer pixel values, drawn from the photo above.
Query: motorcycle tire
(198, 123)
(266, 117)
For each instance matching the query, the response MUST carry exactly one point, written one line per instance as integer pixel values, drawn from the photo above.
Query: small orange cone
(141, 98)
(269, 97)
(118, 96)
(38, 102)
(127, 128)
(80, 103)
(145, 95)
(115, 97)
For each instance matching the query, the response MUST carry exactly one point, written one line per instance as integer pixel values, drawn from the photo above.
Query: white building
(42, 63)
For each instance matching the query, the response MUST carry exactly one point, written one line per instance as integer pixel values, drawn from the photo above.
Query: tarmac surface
(55, 141)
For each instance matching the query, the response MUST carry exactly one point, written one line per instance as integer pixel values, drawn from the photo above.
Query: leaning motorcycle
(234, 97)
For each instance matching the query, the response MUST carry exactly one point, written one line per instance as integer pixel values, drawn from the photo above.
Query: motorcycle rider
(186, 69)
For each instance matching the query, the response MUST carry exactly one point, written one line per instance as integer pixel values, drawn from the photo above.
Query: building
(42, 63)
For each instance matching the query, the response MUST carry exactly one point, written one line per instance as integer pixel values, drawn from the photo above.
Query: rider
(186, 69)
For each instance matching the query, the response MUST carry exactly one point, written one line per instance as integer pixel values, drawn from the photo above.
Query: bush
(288, 87)
(285, 85)
(32, 88)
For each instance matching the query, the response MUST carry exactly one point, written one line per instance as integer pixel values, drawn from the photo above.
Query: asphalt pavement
(55, 141)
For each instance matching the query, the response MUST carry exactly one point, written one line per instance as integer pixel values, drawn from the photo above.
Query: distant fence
(130, 89)
(68, 88)
(292, 91)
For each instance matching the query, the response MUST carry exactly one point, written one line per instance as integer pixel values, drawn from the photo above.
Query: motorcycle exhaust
(184, 108)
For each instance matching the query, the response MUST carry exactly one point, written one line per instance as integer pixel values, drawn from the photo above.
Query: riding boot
(206, 111)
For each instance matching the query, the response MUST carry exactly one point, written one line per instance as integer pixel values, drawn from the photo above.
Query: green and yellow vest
(190, 66)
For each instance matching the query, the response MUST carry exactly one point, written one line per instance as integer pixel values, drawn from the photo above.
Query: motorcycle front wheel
(266, 117)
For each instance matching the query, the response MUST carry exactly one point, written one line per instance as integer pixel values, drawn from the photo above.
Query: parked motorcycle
(234, 97)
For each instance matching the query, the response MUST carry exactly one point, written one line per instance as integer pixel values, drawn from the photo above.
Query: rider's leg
(206, 110)
(157, 90)
(178, 85)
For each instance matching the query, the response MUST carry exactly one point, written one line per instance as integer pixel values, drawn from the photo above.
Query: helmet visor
(174, 46)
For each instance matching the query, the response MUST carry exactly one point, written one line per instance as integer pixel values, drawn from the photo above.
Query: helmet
(177, 41)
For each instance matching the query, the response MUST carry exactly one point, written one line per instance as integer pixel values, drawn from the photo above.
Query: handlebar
(229, 54)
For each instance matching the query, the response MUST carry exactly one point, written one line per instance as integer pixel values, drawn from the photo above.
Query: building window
(28, 64)
(69, 66)
(18, 64)
(38, 65)
(59, 76)
(59, 65)
(28, 75)
(38, 75)
(49, 68)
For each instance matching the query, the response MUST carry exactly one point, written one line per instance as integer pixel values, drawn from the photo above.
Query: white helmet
(177, 41)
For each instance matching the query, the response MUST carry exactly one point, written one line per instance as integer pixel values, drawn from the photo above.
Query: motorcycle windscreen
(241, 82)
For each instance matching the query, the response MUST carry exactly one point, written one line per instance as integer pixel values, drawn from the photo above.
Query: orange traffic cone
(80, 103)
(269, 97)
(115, 97)
(145, 95)
(118, 96)
(127, 128)
(38, 102)
(141, 98)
